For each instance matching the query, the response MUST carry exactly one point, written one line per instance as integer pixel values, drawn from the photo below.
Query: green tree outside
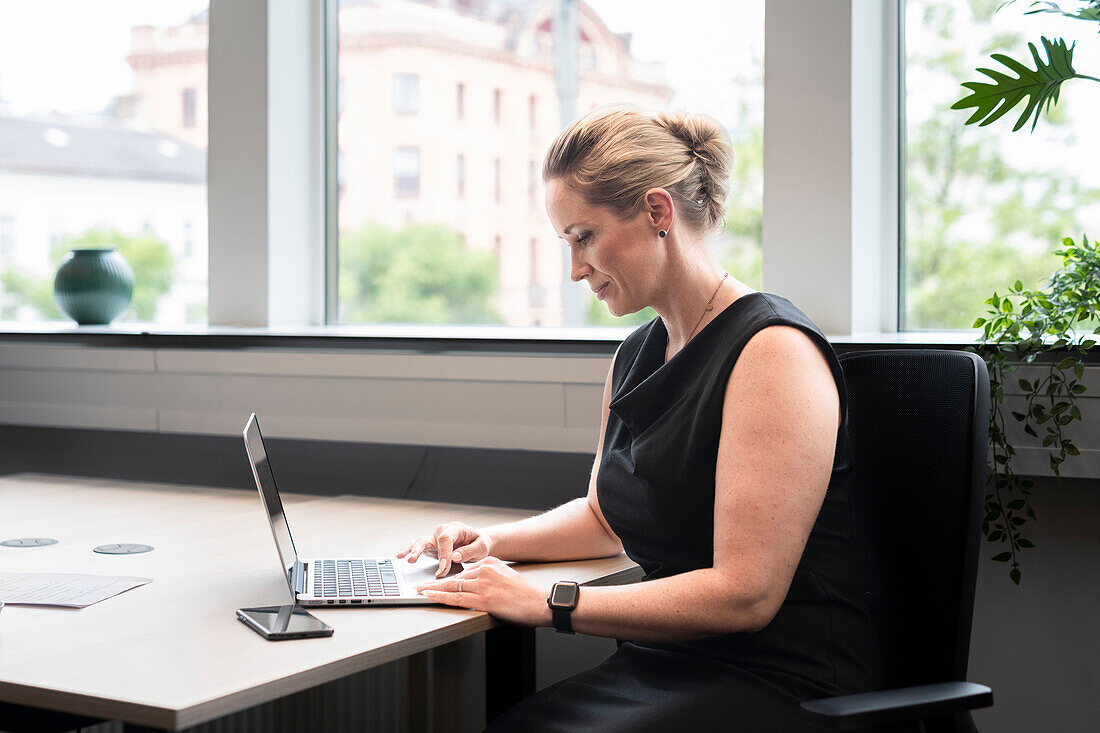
(740, 247)
(420, 274)
(149, 257)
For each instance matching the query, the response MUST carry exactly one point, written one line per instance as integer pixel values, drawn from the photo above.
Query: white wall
(512, 401)
(507, 401)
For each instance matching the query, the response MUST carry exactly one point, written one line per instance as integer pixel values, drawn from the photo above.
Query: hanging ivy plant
(1049, 327)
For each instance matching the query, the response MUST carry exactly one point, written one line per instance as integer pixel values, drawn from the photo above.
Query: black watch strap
(563, 620)
(563, 599)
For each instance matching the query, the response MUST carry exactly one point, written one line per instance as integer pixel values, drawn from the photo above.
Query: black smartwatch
(563, 599)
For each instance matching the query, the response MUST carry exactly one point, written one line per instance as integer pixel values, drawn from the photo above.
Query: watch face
(564, 595)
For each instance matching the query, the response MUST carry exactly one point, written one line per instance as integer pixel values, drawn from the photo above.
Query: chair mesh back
(918, 428)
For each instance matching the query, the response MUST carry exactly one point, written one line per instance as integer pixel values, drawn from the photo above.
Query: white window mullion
(237, 163)
(265, 163)
(830, 152)
(295, 125)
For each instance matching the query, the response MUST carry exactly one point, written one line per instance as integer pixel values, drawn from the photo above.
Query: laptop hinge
(297, 578)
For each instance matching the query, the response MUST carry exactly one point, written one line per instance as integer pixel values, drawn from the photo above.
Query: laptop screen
(265, 482)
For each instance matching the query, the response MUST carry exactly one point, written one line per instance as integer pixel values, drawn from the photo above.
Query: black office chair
(919, 424)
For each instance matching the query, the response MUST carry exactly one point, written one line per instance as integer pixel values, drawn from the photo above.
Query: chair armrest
(845, 712)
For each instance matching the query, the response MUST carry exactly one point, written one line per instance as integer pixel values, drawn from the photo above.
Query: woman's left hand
(492, 586)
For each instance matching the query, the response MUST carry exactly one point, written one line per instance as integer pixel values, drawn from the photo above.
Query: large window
(451, 227)
(103, 144)
(985, 206)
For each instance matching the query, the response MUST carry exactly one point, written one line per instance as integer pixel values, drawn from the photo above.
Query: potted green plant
(1050, 326)
(1046, 326)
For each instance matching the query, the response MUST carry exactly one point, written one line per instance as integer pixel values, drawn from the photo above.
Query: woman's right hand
(453, 542)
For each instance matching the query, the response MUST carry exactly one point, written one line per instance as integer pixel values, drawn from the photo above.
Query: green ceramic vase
(93, 285)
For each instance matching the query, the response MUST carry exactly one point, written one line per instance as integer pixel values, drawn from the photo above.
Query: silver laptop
(384, 581)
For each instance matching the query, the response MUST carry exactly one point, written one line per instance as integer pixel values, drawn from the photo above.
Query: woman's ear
(659, 208)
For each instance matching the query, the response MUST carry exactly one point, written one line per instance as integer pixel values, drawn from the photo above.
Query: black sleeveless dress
(656, 490)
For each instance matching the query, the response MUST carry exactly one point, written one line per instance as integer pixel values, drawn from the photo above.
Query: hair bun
(617, 152)
(707, 142)
(701, 134)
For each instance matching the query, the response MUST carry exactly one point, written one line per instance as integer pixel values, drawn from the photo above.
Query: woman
(719, 468)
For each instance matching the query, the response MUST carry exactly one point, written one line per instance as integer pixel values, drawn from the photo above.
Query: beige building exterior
(170, 79)
(446, 110)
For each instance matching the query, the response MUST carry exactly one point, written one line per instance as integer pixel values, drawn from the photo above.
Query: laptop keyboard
(338, 578)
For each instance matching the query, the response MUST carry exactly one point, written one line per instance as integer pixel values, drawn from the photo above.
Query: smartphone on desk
(276, 623)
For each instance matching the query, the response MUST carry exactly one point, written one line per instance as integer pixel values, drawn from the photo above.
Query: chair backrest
(919, 424)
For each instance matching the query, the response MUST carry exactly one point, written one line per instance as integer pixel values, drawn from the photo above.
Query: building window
(532, 182)
(496, 180)
(406, 172)
(588, 57)
(533, 261)
(460, 101)
(406, 94)
(189, 100)
(533, 111)
(496, 105)
(536, 291)
(460, 175)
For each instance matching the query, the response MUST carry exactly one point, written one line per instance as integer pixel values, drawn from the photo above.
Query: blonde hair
(615, 153)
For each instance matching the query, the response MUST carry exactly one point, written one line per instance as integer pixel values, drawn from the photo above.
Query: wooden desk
(171, 654)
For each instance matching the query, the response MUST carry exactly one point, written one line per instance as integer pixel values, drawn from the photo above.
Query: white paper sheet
(72, 590)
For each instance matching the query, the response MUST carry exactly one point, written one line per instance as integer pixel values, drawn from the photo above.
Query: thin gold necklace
(710, 306)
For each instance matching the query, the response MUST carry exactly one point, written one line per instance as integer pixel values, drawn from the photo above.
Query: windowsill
(421, 338)
(475, 387)
(418, 338)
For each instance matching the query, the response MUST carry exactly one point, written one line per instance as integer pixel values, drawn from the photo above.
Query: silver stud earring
(662, 233)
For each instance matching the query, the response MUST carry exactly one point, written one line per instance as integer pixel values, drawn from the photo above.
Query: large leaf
(1039, 85)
